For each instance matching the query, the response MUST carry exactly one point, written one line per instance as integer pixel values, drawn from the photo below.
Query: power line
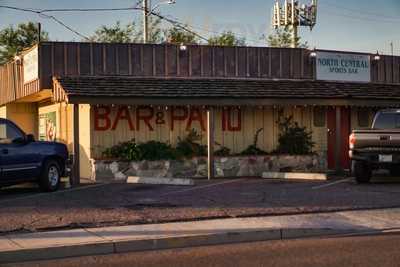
(173, 21)
(362, 12)
(42, 12)
(38, 12)
(359, 17)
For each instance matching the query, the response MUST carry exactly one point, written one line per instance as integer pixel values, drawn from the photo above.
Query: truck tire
(361, 172)
(50, 177)
(394, 171)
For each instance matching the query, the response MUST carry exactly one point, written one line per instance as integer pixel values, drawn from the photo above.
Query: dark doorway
(343, 145)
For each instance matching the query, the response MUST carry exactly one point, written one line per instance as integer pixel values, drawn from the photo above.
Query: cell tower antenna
(293, 15)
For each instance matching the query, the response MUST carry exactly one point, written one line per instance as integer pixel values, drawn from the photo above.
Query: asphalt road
(345, 251)
(26, 209)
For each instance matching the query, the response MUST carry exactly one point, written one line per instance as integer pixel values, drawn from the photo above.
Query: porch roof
(221, 91)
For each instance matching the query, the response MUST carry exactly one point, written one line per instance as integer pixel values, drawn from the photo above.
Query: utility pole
(145, 21)
(392, 50)
(39, 38)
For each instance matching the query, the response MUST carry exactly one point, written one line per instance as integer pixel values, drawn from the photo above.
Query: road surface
(344, 251)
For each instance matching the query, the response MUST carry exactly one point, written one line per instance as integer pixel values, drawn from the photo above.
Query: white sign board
(31, 66)
(343, 67)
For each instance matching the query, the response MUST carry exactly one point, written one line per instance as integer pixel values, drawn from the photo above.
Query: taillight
(352, 140)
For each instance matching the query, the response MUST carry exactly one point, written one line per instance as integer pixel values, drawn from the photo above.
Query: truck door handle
(5, 151)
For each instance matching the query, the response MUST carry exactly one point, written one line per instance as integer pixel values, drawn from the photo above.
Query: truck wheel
(50, 178)
(361, 172)
(395, 171)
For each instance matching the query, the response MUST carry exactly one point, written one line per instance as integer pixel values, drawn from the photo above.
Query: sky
(348, 25)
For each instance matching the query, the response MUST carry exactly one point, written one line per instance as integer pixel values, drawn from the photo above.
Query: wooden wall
(169, 61)
(165, 60)
(237, 140)
(12, 85)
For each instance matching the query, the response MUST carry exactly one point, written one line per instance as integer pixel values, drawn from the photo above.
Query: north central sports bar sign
(343, 67)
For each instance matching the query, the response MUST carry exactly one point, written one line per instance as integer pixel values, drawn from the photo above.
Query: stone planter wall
(243, 166)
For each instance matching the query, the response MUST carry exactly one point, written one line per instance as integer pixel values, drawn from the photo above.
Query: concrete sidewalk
(95, 241)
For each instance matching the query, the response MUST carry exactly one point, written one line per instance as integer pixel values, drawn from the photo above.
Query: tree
(227, 38)
(156, 34)
(128, 33)
(13, 40)
(177, 35)
(117, 33)
(282, 37)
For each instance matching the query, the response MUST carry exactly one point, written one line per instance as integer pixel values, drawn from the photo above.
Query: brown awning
(193, 91)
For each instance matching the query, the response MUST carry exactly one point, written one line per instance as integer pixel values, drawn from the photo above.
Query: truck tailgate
(379, 139)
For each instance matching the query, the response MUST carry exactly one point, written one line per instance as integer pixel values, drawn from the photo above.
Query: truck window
(8, 133)
(387, 121)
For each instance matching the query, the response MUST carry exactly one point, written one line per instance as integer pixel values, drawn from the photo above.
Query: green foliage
(177, 35)
(253, 149)
(282, 37)
(13, 40)
(293, 139)
(132, 151)
(129, 33)
(188, 146)
(227, 39)
(156, 34)
(124, 151)
(154, 150)
(223, 151)
(117, 33)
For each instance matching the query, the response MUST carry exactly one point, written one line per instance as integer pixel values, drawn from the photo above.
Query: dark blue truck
(22, 159)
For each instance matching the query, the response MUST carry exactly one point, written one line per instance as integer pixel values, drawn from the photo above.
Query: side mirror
(30, 138)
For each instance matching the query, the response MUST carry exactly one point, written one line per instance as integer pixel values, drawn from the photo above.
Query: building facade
(92, 96)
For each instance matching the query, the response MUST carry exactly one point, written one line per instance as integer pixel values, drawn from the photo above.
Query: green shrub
(125, 151)
(293, 139)
(223, 151)
(132, 151)
(154, 150)
(253, 149)
(188, 146)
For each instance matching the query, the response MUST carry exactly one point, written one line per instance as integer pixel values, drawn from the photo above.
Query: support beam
(75, 176)
(338, 141)
(210, 142)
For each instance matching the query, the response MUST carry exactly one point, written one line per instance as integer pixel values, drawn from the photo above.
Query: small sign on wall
(31, 65)
(343, 67)
(47, 126)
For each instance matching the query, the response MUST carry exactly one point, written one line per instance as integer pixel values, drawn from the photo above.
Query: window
(387, 121)
(319, 116)
(363, 117)
(9, 133)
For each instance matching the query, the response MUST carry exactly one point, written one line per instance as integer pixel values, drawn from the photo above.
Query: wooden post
(338, 146)
(75, 178)
(210, 142)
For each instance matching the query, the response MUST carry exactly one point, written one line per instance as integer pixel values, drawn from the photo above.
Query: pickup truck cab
(376, 148)
(22, 159)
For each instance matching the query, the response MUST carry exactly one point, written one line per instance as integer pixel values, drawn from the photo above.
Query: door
(343, 147)
(18, 159)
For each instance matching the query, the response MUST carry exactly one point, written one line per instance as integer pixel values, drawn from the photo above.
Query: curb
(159, 181)
(295, 175)
(124, 246)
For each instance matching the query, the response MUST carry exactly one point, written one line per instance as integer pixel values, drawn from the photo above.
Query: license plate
(385, 158)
